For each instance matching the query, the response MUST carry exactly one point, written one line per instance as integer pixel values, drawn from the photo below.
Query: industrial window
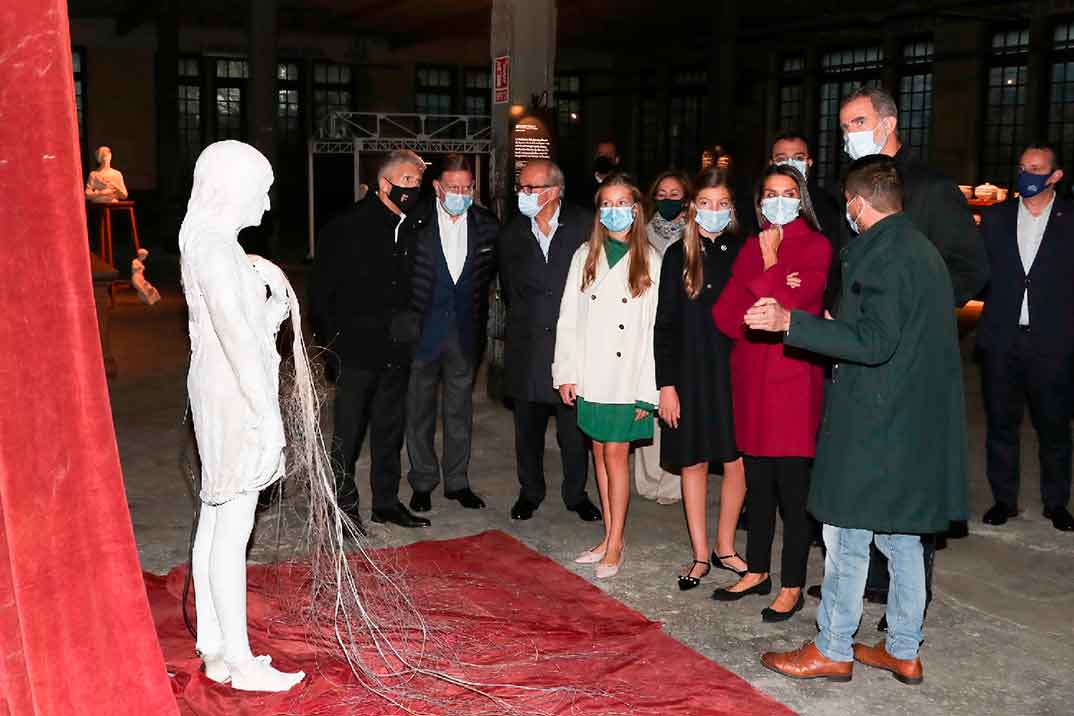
(1005, 102)
(288, 105)
(844, 71)
(189, 90)
(78, 65)
(333, 89)
(477, 86)
(230, 84)
(790, 93)
(915, 97)
(435, 90)
(1061, 92)
(568, 92)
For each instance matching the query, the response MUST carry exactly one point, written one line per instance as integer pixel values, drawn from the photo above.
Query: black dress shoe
(399, 515)
(998, 513)
(586, 510)
(876, 596)
(774, 615)
(523, 509)
(724, 595)
(958, 529)
(1061, 518)
(814, 591)
(688, 581)
(421, 502)
(466, 498)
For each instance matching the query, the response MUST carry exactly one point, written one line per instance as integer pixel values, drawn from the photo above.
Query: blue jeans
(845, 569)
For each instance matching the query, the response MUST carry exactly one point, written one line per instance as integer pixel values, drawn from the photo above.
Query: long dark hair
(806, 211)
(693, 268)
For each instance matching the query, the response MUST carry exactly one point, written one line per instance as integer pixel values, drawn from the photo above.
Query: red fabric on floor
(519, 616)
(76, 636)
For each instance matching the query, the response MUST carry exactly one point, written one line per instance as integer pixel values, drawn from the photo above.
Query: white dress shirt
(1030, 233)
(453, 240)
(546, 241)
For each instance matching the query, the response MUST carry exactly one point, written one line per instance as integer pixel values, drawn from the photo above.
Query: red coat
(777, 391)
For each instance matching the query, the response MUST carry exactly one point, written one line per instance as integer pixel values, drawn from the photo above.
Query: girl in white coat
(604, 351)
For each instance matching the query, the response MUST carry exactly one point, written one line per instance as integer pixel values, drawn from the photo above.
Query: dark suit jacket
(423, 229)
(532, 290)
(832, 218)
(1050, 281)
(360, 286)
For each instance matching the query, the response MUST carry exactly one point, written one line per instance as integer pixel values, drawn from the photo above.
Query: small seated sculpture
(105, 184)
(147, 292)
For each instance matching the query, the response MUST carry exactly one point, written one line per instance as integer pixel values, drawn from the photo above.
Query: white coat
(604, 336)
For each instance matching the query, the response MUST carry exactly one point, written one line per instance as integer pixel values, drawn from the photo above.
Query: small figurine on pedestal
(105, 184)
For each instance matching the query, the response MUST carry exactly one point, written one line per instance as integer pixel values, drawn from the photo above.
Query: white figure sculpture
(236, 305)
(147, 292)
(105, 184)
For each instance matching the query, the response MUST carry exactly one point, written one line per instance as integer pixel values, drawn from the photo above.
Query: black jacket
(423, 230)
(360, 286)
(532, 290)
(1050, 282)
(832, 218)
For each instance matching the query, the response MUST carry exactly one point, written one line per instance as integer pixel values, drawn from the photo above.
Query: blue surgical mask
(799, 164)
(1031, 184)
(457, 204)
(617, 218)
(713, 220)
(780, 210)
(530, 204)
(863, 143)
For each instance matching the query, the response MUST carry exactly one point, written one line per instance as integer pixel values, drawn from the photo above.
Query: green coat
(891, 456)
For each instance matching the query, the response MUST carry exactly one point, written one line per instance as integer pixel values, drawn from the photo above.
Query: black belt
(1024, 328)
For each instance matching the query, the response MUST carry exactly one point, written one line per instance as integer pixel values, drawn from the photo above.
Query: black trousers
(1046, 382)
(373, 401)
(448, 380)
(531, 421)
(781, 482)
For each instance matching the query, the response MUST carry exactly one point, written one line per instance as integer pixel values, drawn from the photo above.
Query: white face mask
(780, 210)
(863, 143)
(799, 164)
(852, 221)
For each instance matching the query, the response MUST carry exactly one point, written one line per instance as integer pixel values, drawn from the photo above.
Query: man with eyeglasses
(535, 250)
(454, 259)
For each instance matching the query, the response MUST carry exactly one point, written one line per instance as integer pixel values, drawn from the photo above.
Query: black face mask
(603, 165)
(669, 208)
(403, 197)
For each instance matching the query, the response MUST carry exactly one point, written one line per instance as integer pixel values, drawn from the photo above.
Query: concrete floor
(999, 633)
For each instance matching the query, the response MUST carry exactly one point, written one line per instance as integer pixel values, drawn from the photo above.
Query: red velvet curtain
(76, 636)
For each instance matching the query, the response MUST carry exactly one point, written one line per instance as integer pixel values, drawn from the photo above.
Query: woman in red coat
(776, 390)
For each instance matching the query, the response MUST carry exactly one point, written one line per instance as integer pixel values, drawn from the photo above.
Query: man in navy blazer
(1026, 336)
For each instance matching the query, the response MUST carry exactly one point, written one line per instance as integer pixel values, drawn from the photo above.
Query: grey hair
(555, 174)
(882, 102)
(397, 157)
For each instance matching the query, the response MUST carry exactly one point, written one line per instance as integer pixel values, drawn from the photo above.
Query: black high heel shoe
(717, 562)
(688, 582)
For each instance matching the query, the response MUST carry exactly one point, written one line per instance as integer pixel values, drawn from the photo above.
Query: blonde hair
(637, 241)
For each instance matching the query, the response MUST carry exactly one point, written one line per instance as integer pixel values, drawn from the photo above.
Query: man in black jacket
(792, 149)
(535, 250)
(933, 203)
(359, 293)
(454, 260)
(1026, 336)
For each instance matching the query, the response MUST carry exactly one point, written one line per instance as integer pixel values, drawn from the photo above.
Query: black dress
(693, 356)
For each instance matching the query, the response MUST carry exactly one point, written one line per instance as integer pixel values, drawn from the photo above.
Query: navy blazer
(1050, 281)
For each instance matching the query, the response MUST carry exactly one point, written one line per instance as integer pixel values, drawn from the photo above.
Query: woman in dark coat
(693, 372)
(777, 392)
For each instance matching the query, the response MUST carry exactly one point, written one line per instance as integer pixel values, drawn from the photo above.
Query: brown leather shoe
(807, 663)
(908, 671)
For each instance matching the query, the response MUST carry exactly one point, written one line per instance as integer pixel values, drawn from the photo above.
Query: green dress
(614, 422)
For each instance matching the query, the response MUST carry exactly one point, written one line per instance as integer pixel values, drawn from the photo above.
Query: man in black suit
(359, 293)
(535, 250)
(454, 259)
(1026, 336)
(792, 149)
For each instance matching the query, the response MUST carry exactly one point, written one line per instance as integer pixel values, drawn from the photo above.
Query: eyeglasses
(466, 190)
(532, 188)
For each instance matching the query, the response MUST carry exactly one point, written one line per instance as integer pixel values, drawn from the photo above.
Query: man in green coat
(891, 455)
